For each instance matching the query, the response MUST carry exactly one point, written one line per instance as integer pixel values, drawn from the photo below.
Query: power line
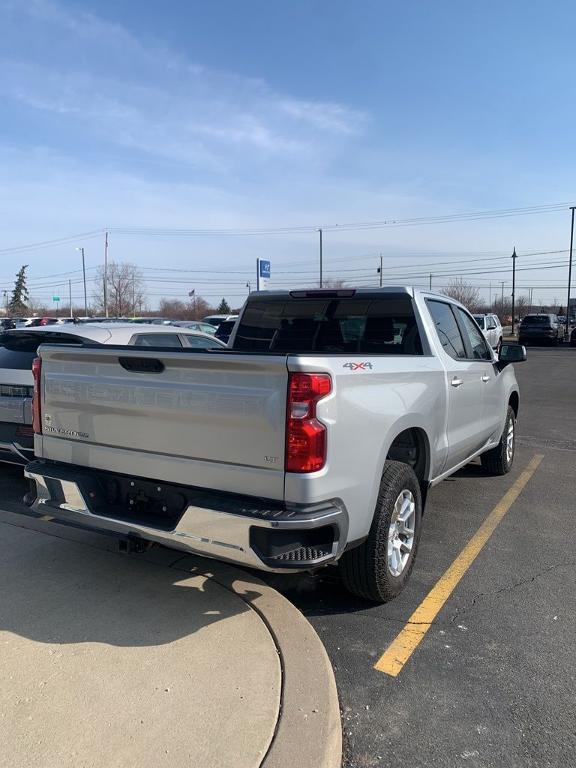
(301, 229)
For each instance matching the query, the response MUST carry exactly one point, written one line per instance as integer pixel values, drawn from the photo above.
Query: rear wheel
(499, 460)
(379, 568)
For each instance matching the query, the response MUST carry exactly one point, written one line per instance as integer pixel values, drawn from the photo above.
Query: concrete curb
(308, 732)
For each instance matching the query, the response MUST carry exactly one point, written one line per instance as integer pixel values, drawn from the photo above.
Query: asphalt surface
(493, 682)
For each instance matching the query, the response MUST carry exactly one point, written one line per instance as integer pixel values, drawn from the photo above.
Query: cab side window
(475, 338)
(447, 329)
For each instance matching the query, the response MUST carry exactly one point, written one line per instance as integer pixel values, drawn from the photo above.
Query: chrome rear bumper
(14, 453)
(277, 538)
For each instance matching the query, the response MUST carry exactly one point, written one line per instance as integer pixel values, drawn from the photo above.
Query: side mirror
(512, 353)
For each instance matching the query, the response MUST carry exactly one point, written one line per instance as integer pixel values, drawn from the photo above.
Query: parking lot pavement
(492, 683)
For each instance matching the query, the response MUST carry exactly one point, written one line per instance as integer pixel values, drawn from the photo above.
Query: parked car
(35, 322)
(196, 325)
(225, 329)
(312, 439)
(217, 319)
(542, 328)
(491, 328)
(18, 348)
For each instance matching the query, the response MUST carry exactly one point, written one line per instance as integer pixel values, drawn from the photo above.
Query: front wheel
(379, 568)
(499, 460)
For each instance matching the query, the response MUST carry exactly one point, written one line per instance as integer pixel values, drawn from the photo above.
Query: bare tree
(465, 293)
(521, 306)
(125, 289)
(195, 309)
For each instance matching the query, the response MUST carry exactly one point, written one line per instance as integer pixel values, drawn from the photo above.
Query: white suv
(491, 328)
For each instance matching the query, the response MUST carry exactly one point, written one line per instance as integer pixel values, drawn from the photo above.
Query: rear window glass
(18, 350)
(158, 340)
(16, 359)
(536, 320)
(333, 325)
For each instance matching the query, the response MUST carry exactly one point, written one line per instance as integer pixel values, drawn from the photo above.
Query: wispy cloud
(138, 94)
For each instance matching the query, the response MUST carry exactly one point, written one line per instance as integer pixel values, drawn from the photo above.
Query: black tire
(497, 461)
(365, 569)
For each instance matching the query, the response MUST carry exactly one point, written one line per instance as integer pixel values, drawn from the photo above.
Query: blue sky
(257, 114)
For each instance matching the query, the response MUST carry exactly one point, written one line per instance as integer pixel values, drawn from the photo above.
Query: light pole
(84, 278)
(380, 271)
(106, 274)
(569, 276)
(249, 286)
(320, 233)
(514, 257)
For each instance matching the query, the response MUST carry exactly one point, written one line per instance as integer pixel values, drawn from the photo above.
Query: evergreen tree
(17, 305)
(223, 308)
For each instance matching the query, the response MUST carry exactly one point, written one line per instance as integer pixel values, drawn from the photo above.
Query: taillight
(305, 435)
(36, 414)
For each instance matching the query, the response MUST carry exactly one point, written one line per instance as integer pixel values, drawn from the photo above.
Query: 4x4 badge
(358, 366)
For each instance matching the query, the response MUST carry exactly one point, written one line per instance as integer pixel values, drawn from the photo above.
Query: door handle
(456, 382)
(485, 378)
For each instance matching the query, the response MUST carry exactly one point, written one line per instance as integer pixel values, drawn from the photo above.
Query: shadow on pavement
(58, 592)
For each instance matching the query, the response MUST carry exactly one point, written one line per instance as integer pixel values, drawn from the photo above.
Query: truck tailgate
(203, 419)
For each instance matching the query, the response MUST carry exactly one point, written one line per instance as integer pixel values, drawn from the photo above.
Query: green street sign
(55, 298)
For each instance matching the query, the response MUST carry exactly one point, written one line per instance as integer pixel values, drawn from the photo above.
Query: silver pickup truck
(312, 439)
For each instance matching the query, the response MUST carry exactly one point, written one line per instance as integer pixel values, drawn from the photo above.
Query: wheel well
(514, 402)
(411, 447)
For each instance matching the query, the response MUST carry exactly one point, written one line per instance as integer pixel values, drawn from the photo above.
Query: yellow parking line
(410, 637)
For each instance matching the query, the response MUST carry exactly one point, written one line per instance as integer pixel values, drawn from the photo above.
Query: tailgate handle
(141, 364)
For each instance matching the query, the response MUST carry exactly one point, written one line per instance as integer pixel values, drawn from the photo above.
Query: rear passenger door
(464, 428)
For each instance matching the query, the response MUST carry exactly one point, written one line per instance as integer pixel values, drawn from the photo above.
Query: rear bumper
(249, 531)
(16, 447)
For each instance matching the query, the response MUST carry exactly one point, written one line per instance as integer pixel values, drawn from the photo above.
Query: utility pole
(133, 294)
(430, 284)
(380, 270)
(490, 297)
(569, 277)
(249, 286)
(70, 296)
(514, 257)
(106, 275)
(320, 233)
(84, 276)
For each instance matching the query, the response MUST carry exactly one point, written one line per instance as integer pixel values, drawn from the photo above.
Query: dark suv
(542, 329)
